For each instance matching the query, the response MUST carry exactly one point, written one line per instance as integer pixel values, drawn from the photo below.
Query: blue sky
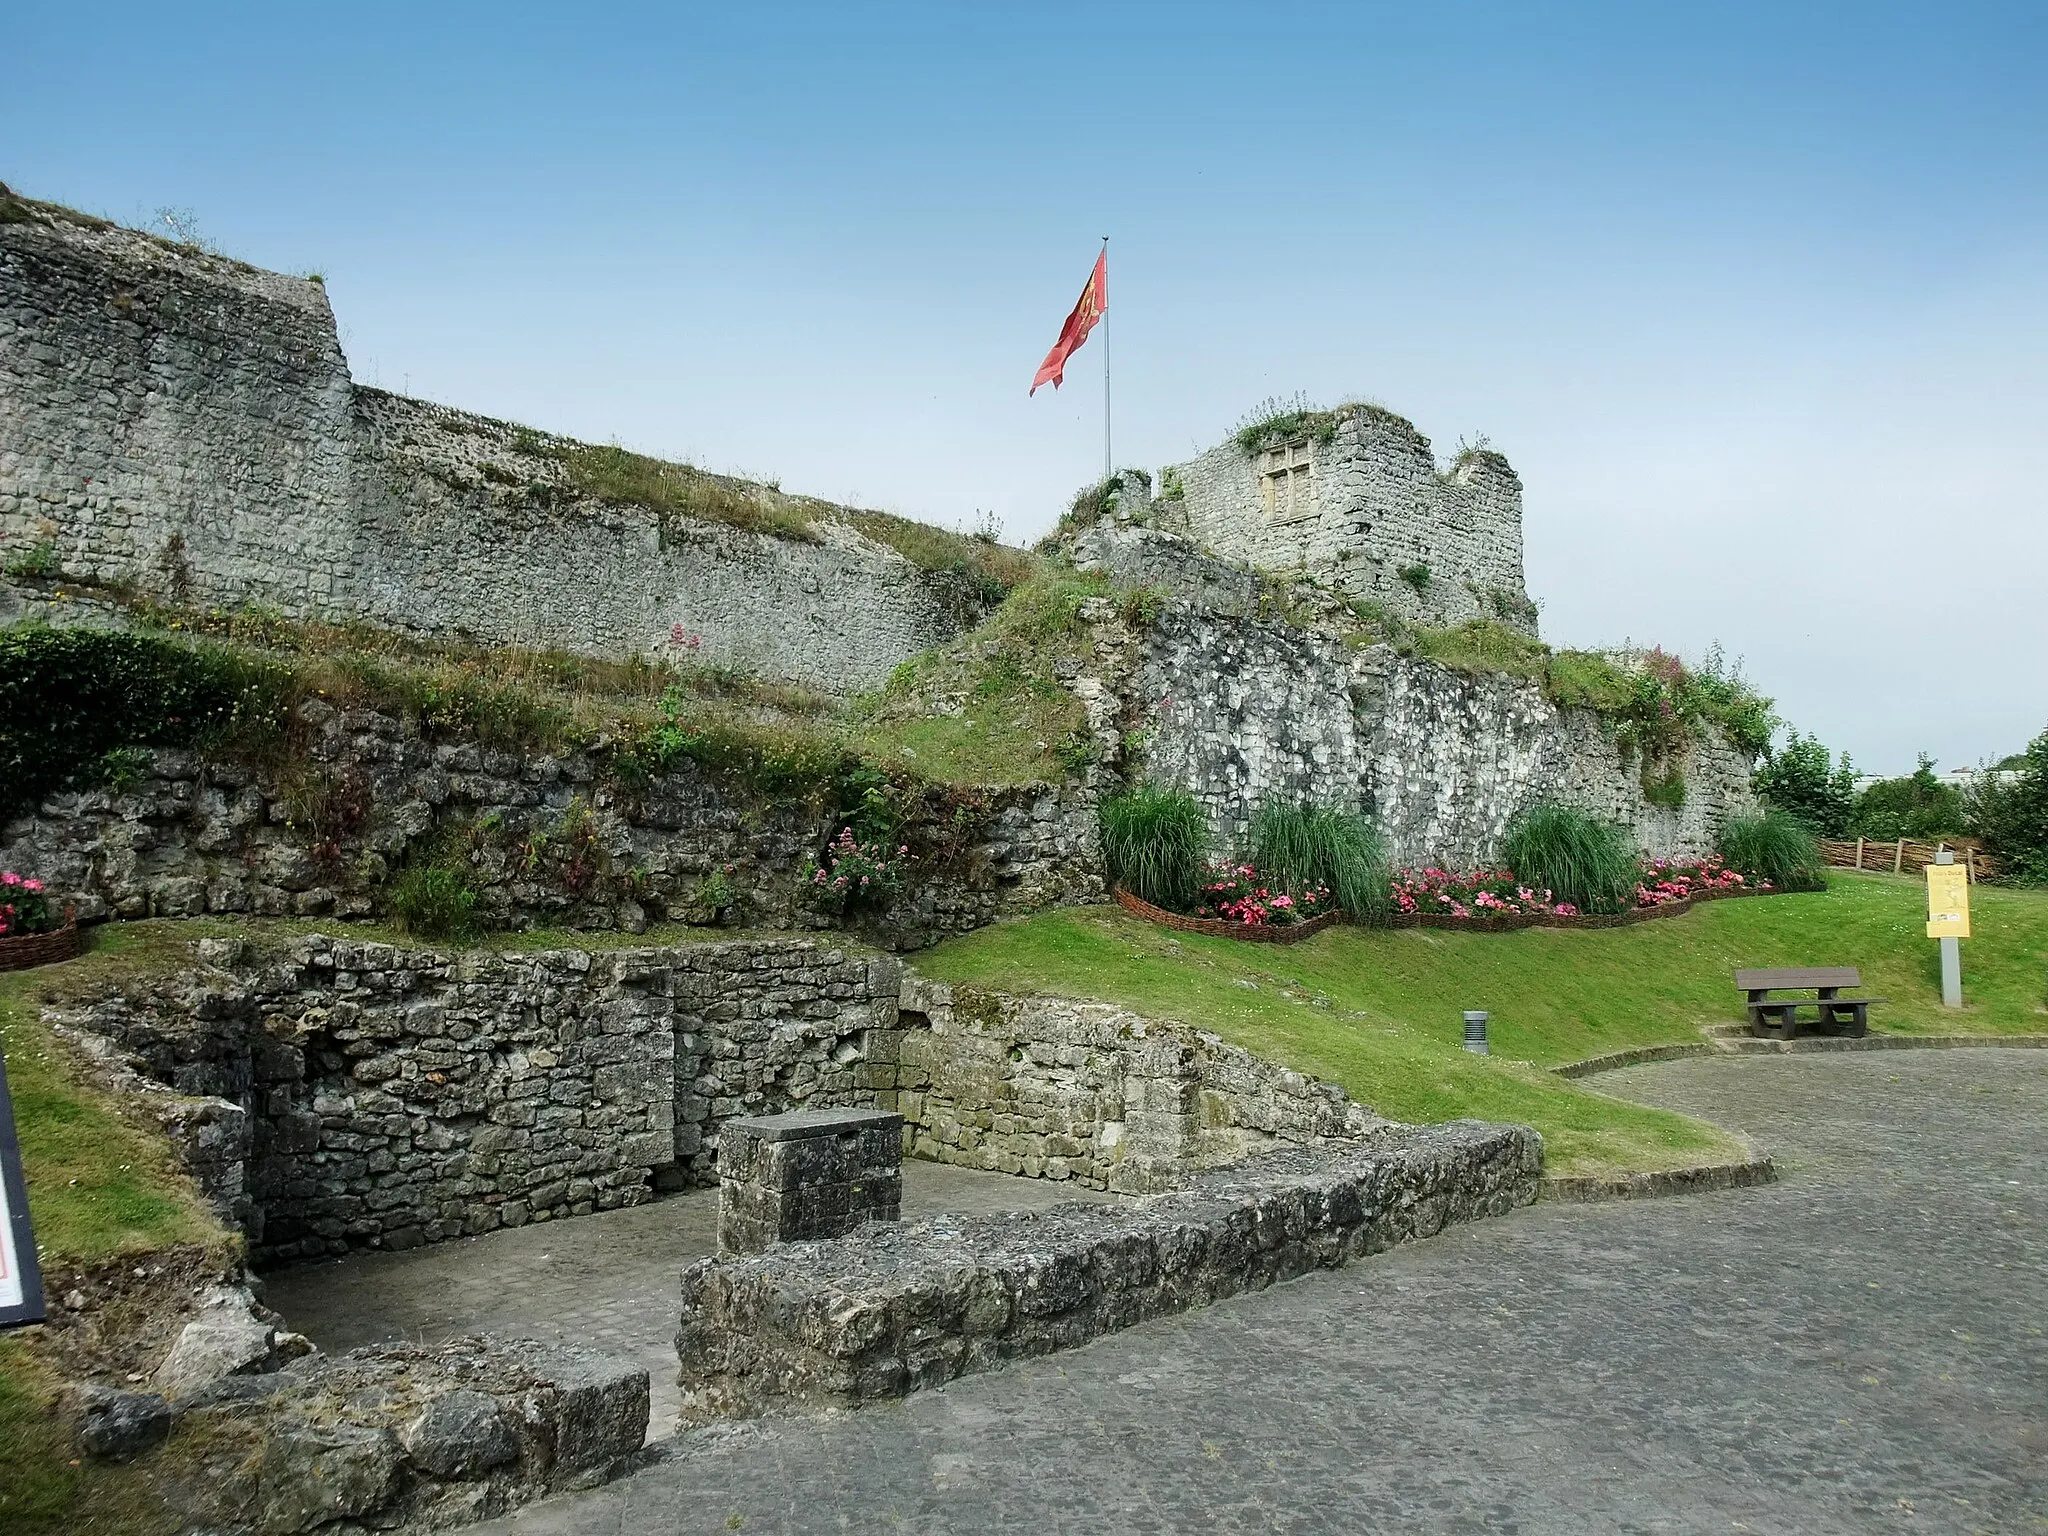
(1752, 296)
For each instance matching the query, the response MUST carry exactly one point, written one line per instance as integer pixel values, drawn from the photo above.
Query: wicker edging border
(1254, 933)
(1520, 920)
(32, 949)
(1295, 932)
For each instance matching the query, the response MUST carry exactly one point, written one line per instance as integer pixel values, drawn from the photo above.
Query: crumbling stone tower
(1355, 495)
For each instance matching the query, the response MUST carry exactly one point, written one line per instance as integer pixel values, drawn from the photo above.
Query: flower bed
(1257, 933)
(1489, 901)
(29, 932)
(1239, 894)
(1481, 901)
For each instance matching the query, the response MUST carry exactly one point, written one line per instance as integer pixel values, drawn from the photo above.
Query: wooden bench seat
(1779, 1018)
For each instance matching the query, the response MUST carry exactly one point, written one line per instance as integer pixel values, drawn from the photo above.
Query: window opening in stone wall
(1287, 486)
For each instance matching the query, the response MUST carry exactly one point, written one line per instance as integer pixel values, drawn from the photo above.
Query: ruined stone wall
(1240, 694)
(893, 1309)
(372, 1095)
(190, 836)
(1084, 1092)
(186, 424)
(1366, 502)
(172, 418)
(397, 1096)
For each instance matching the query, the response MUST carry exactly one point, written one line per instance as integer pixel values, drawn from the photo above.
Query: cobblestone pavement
(608, 1281)
(1857, 1348)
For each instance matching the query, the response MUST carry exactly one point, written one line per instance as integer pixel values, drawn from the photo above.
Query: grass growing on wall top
(1390, 1032)
(611, 473)
(990, 708)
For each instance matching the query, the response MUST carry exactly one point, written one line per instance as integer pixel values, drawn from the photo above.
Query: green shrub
(73, 701)
(1917, 806)
(1776, 846)
(1802, 780)
(2013, 818)
(434, 900)
(1301, 846)
(1155, 841)
(1580, 859)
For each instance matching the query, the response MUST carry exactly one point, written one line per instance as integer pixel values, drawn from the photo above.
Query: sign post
(1948, 920)
(21, 1282)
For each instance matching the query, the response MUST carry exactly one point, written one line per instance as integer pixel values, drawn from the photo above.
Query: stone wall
(1057, 1089)
(399, 1096)
(186, 424)
(331, 1094)
(896, 1309)
(1368, 501)
(192, 836)
(1241, 691)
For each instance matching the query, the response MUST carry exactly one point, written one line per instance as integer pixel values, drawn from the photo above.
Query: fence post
(1899, 856)
(1970, 865)
(1859, 853)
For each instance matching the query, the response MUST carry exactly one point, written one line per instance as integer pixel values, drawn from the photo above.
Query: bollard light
(1475, 1031)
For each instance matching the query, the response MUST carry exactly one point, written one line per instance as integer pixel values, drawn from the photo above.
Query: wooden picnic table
(1779, 1017)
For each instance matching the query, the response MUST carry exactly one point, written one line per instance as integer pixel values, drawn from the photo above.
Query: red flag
(1093, 305)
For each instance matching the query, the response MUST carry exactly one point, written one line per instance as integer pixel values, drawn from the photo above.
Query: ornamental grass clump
(1303, 848)
(1776, 846)
(1155, 842)
(1580, 859)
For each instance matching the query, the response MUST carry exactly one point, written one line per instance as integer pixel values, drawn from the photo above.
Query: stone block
(807, 1174)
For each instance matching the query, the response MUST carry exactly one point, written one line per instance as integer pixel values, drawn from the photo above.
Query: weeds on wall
(1277, 419)
(39, 561)
(70, 697)
(988, 568)
(1416, 576)
(1580, 859)
(611, 473)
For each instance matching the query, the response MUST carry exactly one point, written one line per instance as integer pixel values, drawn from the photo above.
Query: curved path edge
(1757, 1168)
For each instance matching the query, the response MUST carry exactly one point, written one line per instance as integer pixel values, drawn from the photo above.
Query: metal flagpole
(1107, 471)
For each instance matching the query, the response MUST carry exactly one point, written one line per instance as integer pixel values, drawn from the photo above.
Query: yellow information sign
(1948, 901)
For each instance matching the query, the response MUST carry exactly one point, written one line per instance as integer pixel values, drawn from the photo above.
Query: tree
(1918, 806)
(1801, 779)
(2013, 818)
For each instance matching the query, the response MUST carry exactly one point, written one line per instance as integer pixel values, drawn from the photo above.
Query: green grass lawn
(99, 1186)
(1378, 1010)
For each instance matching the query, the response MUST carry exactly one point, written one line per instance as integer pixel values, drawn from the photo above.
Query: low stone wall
(553, 840)
(1057, 1089)
(395, 1096)
(330, 1094)
(892, 1310)
(377, 1438)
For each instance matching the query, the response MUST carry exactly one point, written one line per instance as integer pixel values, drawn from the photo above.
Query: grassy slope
(1389, 1031)
(99, 1188)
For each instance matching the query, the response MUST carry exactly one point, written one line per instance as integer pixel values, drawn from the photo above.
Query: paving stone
(1860, 1347)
